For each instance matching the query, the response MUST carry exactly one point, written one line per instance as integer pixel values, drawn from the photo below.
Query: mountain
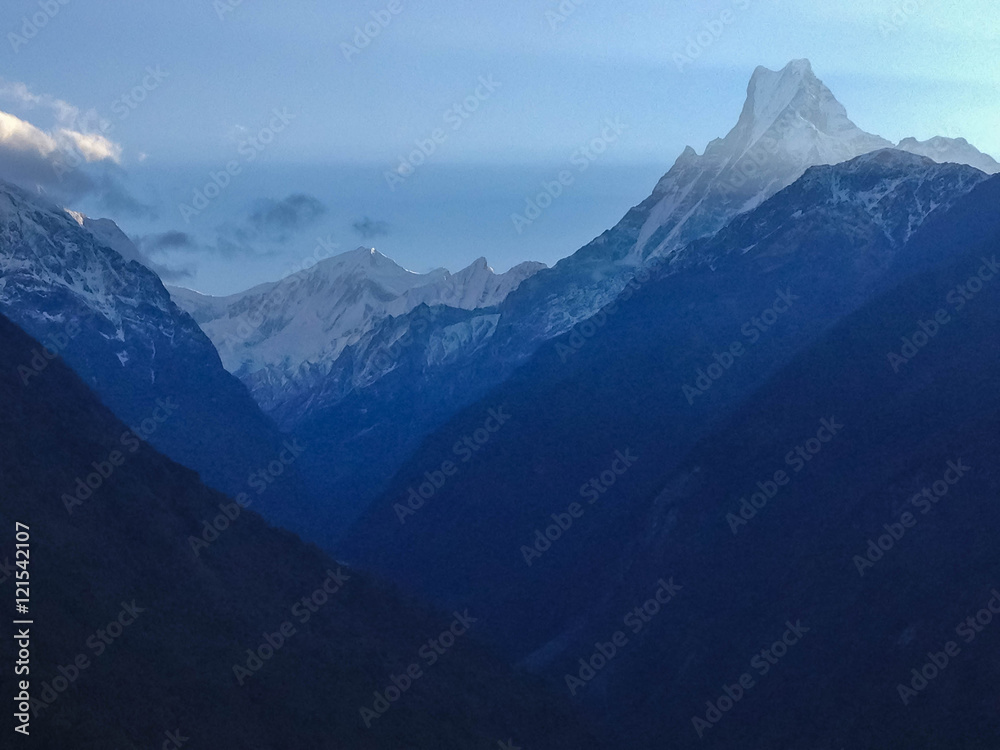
(409, 370)
(282, 338)
(646, 378)
(64, 281)
(878, 540)
(251, 641)
(955, 150)
(881, 199)
(628, 448)
(110, 235)
(423, 368)
(790, 121)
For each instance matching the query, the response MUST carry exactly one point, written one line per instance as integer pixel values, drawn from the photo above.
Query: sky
(235, 139)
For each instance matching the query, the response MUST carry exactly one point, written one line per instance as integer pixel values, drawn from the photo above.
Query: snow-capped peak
(81, 267)
(954, 150)
(770, 93)
(279, 330)
(790, 121)
(366, 264)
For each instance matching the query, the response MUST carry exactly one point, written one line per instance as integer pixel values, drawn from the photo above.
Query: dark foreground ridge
(257, 641)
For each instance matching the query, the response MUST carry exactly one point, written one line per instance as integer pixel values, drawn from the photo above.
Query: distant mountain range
(667, 365)
(283, 338)
(338, 353)
(687, 431)
(772, 354)
(324, 361)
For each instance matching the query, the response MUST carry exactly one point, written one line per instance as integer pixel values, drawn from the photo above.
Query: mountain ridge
(699, 194)
(257, 641)
(312, 316)
(113, 321)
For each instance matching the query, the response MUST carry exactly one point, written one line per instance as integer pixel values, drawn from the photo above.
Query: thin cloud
(279, 220)
(270, 223)
(169, 240)
(369, 229)
(115, 197)
(65, 113)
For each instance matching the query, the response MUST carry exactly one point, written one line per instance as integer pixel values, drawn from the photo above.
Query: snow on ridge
(951, 150)
(306, 320)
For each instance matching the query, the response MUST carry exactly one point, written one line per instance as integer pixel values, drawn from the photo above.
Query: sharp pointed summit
(793, 98)
(771, 92)
(790, 121)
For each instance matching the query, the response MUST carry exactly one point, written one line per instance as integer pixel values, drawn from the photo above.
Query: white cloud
(92, 146)
(62, 152)
(74, 133)
(22, 136)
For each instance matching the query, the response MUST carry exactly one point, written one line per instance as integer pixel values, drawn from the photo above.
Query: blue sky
(179, 91)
